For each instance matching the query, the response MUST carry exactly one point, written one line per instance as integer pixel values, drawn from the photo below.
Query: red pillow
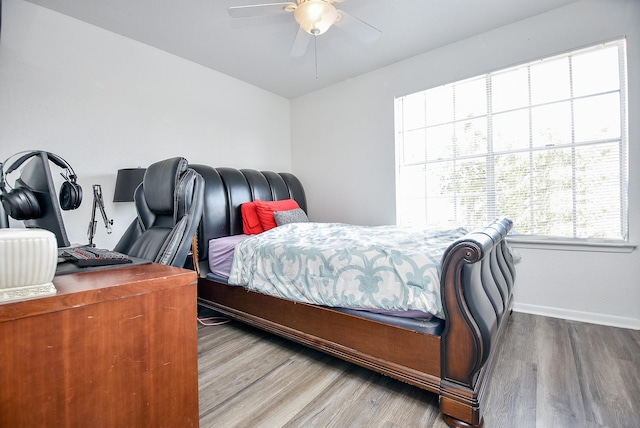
(250, 221)
(266, 209)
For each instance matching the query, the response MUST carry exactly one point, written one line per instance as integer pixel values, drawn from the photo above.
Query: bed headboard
(226, 189)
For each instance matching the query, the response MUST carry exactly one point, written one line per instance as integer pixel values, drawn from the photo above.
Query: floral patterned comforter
(371, 267)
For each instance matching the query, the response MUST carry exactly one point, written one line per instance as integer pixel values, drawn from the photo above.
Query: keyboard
(89, 256)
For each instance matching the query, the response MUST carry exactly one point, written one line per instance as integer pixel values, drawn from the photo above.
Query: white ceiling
(256, 50)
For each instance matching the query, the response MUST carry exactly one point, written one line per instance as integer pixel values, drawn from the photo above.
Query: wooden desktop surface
(111, 348)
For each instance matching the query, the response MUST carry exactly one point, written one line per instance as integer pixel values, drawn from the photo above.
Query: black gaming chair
(169, 203)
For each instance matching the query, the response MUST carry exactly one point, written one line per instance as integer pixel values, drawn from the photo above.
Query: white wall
(104, 102)
(343, 151)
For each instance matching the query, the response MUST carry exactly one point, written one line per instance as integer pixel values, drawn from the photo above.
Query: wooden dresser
(113, 348)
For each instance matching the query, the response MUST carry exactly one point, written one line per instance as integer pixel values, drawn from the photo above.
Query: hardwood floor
(550, 373)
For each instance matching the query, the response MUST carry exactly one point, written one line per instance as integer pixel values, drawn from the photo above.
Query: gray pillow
(291, 216)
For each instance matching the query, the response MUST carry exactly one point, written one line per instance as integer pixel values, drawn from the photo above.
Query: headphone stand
(4, 218)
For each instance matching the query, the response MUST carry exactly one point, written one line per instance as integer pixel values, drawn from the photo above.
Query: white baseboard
(590, 317)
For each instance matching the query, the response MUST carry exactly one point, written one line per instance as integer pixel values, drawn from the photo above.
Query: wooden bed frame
(476, 288)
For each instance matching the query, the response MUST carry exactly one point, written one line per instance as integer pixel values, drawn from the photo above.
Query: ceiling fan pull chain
(315, 52)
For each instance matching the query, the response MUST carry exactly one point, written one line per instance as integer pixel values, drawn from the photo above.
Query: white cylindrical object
(28, 261)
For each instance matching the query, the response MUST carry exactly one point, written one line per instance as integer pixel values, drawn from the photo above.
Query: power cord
(213, 321)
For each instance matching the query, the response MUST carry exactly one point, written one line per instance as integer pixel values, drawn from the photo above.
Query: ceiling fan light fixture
(316, 16)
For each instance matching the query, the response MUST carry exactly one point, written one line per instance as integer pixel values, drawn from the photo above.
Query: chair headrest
(159, 184)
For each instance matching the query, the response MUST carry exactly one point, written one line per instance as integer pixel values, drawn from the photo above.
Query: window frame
(535, 240)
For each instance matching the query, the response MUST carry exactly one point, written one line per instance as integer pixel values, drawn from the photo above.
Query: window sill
(571, 245)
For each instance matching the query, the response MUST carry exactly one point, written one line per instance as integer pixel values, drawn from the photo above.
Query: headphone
(21, 203)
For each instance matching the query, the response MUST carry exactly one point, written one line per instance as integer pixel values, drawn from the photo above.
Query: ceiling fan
(315, 17)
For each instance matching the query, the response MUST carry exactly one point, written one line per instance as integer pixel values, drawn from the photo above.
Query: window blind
(543, 143)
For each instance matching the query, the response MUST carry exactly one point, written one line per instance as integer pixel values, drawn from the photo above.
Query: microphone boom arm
(98, 202)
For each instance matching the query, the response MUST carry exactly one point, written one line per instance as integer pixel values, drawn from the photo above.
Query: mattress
(221, 256)
(412, 320)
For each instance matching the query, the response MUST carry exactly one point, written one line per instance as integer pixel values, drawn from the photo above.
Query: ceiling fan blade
(300, 43)
(357, 28)
(260, 9)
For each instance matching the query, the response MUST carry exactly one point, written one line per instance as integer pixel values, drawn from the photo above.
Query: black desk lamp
(126, 183)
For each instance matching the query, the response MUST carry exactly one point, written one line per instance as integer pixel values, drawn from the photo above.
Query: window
(543, 143)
